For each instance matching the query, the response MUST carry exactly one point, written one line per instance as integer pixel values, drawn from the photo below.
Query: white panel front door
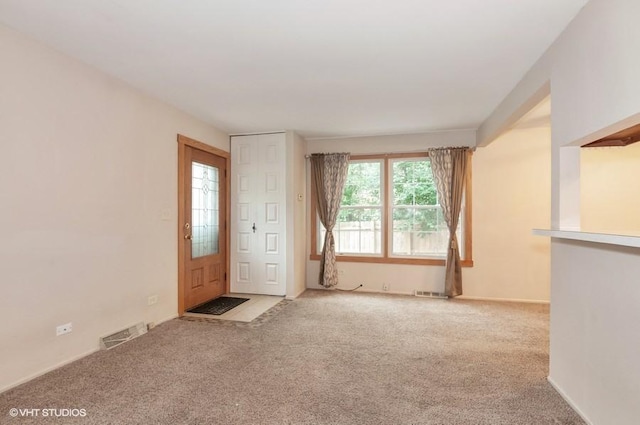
(258, 214)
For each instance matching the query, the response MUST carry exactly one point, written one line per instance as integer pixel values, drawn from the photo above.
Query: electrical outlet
(153, 299)
(64, 329)
(385, 286)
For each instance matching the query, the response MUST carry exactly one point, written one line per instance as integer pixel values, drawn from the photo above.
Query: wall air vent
(120, 337)
(430, 294)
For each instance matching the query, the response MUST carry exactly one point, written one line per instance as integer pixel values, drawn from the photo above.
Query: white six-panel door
(258, 215)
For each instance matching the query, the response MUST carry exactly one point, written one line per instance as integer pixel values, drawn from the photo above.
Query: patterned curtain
(329, 173)
(449, 167)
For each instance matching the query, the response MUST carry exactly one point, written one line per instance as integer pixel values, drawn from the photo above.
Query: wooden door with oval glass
(203, 227)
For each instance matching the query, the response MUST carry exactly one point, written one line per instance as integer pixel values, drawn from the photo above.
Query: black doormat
(218, 306)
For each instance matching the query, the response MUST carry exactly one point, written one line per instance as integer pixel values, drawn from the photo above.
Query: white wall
(397, 143)
(595, 90)
(595, 71)
(88, 184)
(510, 196)
(296, 204)
(610, 189)
(595, 337)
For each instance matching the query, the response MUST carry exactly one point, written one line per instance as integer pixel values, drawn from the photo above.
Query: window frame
(387, 203)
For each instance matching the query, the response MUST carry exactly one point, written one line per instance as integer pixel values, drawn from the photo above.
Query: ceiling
(325, 68)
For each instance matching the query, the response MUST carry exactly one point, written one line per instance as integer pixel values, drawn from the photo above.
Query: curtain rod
(471, 148)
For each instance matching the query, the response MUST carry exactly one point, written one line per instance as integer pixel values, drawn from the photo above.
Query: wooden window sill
(391, 260)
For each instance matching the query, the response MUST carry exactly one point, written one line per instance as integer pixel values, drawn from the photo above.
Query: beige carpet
(325, 358)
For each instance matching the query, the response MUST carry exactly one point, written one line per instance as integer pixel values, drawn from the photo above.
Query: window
(358, 229)
(390, 214)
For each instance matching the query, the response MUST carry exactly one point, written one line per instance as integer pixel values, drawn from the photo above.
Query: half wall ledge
(627, 239)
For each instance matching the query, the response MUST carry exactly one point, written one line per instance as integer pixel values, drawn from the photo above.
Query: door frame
(183, 143)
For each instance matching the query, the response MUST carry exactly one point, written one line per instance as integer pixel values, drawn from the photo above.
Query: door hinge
(225, 276)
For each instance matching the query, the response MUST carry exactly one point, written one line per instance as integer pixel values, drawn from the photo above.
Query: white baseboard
(48, 369)
(293, 297)
(569, 401)
(461, 297)
(380, 291)
(364, 289)
(509, 300)
(166, 319)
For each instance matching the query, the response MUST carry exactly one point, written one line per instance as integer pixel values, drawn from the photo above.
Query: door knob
(187, 237)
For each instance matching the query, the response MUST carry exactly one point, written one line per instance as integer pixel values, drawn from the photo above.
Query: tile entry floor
(245, 312)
